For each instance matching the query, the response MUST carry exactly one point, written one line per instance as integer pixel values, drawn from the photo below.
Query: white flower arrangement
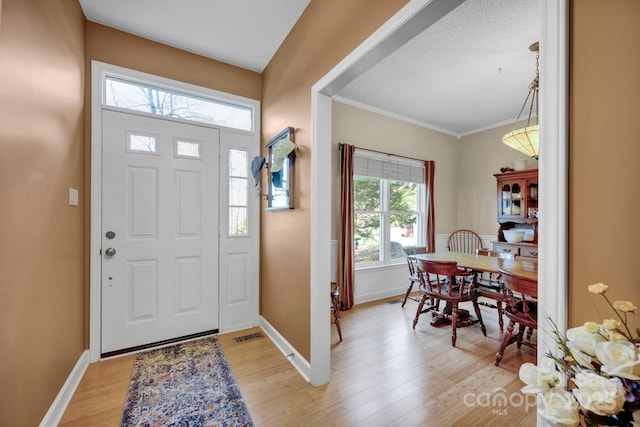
(596, 379)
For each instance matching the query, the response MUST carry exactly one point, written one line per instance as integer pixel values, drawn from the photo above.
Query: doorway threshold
(157, 344)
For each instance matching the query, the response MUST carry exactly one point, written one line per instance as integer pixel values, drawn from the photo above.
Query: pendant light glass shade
(526, 139)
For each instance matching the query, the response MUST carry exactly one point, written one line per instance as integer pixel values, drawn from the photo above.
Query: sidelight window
(238, 192)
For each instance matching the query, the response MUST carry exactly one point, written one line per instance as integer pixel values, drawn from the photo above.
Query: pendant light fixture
(526, 139)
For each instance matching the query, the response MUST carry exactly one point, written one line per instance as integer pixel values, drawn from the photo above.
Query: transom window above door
(164, 102)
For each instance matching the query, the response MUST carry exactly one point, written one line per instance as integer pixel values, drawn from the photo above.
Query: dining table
(521, 266)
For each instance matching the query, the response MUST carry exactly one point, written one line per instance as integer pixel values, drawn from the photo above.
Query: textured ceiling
(467, 72)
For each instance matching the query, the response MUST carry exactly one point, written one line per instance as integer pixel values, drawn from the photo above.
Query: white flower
(558, 406)
(625, 306)
(537, 379)
(580, 338)
(617, 336)
(598, 288)
(619, 358)
(602, 365)
(600, 395)
(592, 327)
(611, 324)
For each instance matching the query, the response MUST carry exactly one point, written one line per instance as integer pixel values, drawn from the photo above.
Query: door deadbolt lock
(110, 252)
(110, 235)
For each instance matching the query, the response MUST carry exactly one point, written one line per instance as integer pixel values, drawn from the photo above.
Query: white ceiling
(245, 33)
(467, 72)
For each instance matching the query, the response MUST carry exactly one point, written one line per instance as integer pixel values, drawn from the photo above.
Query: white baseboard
(375, 296)
(56, 410)
(295, 358)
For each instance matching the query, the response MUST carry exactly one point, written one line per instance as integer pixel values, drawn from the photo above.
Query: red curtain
(345, 265)
(429, 172)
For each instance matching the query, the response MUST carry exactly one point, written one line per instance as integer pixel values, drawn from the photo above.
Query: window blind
(386, 167)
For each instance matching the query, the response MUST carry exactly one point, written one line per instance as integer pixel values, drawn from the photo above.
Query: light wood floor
(384, 373)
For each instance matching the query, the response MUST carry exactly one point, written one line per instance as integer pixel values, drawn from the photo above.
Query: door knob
(110, 252)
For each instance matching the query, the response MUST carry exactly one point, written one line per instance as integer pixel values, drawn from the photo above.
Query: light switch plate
(73, 197)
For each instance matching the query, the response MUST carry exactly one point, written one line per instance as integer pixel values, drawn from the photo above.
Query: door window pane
(141, 143)
(188, 149)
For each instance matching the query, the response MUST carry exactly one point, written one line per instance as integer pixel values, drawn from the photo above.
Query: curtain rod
(340, 144)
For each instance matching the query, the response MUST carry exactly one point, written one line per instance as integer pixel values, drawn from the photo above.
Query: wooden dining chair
(490, 286)
(522, 309)
(413, 273)
(444, 280)
(466, 241)
(335, 307)
(484, 275)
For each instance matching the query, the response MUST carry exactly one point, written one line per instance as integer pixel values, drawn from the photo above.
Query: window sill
(381, 266)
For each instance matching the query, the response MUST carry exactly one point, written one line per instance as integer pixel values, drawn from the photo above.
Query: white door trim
(553, 173)
(98, 71)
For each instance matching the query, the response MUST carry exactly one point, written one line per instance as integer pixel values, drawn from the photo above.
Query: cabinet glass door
(532, 201)
(512, 199)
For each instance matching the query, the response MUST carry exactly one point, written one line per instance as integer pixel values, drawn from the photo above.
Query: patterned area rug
(188, 384)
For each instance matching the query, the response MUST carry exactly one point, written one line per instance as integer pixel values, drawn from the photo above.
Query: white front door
(159, 230)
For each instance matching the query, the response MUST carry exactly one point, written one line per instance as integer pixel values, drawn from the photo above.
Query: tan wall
(44, 148)
(364, 129)
(118, 48)
(604, 155)
(465, 185)
(327, 31)
(41, 155)
(481, 155)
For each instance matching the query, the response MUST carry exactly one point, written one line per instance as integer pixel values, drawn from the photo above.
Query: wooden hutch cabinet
(518, 209)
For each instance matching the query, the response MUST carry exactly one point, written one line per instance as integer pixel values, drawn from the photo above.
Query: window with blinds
(389, 207)
(393, 168)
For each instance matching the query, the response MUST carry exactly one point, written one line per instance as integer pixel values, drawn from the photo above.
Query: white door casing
(238, 281)
(162, 211)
